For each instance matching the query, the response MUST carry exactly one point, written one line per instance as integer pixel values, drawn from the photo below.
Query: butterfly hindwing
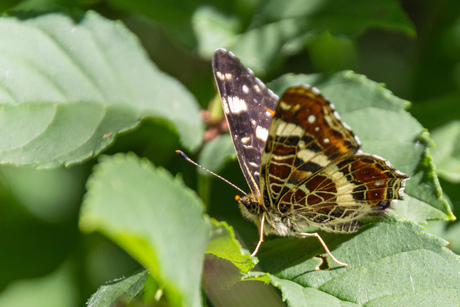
(313, 171)
(246, 102)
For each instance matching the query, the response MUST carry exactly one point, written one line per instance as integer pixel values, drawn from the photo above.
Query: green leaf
(224, 245)
(393, 263)
(385, 129)
(69, 88)
(446, 153)
(124, 290)
(154, 217)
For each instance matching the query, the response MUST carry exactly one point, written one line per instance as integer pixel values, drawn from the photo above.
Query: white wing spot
(309, 155)
(257, 88)
(237, 105)
(284, 106)
(245, 89)
(228, 76)
(326, 140)
(311, 119)
(245, 140)
(261, 133)
(220, 76)
(287, 129)
(225, 106)
(316, 129)
(253, 164)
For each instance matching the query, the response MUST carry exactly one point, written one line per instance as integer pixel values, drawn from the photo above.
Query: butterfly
(303, 165)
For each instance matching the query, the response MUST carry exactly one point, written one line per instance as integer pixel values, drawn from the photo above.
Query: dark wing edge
(246, 102)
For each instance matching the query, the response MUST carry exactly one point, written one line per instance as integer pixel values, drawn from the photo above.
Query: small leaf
(154, 217)
(446, 153)
(69, 88)
(124, 290)
(385, 129)
(389, 264)
(224, 245)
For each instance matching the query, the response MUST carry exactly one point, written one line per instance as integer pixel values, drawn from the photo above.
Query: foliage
(96, 96)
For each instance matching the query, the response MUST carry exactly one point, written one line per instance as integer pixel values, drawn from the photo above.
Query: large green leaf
(385, 129)
(155, 218)
(69, 88)
(390, 264)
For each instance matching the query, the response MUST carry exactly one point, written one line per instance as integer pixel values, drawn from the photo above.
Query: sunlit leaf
(155, 218)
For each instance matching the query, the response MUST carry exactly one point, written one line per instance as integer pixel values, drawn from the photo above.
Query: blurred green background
(411, 46)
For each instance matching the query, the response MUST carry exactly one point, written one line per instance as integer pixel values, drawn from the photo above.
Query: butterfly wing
(313, 172)
(246, 101)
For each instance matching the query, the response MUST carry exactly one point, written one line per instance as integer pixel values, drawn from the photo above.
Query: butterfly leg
(315, 234)
(261, 239)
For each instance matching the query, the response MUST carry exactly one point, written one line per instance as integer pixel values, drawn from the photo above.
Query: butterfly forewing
(247, 103)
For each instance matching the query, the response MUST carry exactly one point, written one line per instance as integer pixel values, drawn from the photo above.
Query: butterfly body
(303, 164)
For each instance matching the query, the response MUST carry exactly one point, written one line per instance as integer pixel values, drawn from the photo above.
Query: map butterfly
(303, 165)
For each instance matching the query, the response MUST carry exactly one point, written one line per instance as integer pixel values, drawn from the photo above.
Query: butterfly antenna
(212, 173)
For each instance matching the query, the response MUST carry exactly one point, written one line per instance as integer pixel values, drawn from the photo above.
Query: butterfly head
(249, 206)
